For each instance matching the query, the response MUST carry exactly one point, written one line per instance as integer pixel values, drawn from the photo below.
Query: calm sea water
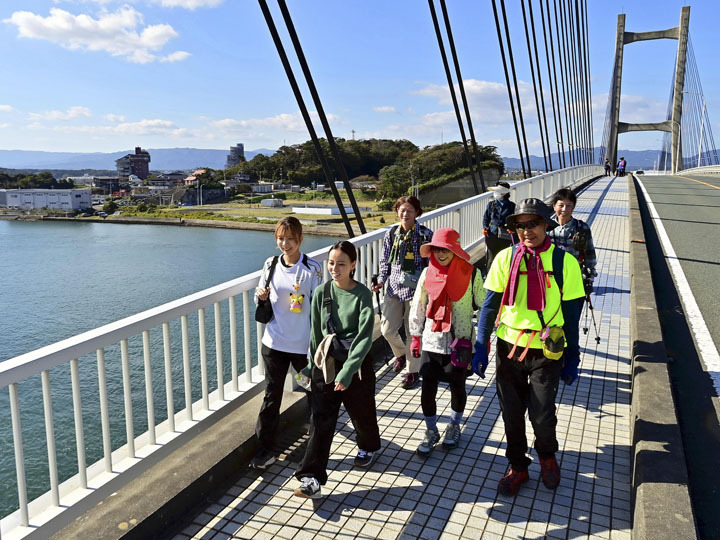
(61, 279)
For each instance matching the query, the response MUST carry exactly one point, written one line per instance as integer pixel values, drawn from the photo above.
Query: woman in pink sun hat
(441, 312)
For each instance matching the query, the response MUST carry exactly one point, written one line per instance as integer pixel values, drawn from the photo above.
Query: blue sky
(101, 75)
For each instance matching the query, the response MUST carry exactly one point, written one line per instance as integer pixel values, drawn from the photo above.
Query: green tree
(110, 207)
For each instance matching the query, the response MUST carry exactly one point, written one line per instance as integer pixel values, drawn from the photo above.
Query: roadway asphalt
(689, 209)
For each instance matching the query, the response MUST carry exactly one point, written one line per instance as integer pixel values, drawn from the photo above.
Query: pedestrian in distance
(400, 268)
(621, 167)
(531, 289)
(341, 369)
(608, 166)
(287, 283)
(441, 326)
(496, 234)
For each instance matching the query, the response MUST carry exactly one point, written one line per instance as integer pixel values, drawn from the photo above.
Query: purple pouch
(460, 352)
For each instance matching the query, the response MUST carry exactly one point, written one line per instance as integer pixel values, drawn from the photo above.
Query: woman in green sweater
(341, 369)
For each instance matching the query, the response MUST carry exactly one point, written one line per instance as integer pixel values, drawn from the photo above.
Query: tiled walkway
(453, 494)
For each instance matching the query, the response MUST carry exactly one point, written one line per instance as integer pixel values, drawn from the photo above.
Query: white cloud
(487, 100)
(190, 4)
(73, 112)
(119, 33)
(177, 56)
(148, 127)
(288, 122)
(4, 125)
(6, 108)
(187, 4)
(384, 109)
(114, 117)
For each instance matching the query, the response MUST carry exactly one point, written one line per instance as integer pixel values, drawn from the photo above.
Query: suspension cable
(306, 116)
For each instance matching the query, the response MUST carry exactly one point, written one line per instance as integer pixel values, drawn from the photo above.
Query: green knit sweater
(353, 317)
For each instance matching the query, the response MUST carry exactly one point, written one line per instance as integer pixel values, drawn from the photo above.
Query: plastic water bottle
(303, 381)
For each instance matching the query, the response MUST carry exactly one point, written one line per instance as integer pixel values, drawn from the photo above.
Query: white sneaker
(309, 488)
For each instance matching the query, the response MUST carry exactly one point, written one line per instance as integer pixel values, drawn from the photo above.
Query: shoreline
(309, 227)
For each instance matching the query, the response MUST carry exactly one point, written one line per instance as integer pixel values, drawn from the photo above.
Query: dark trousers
(530, 385)
(437, 368)
(493, 246)
(276, 369)
(571, 355)
(359, 401)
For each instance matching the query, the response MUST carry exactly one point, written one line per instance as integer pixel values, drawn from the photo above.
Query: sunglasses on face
(527, 224)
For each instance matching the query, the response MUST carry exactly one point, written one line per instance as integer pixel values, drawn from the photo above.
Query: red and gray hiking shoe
(511, 482)
(550, 472)
(410, 381)
(399, 364)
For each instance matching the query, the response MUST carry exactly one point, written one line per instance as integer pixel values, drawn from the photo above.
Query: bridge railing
(158, 363)
(706, 169)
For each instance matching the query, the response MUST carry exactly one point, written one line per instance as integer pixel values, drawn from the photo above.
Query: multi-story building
(236, 155)
(137, 164)
(52, 199)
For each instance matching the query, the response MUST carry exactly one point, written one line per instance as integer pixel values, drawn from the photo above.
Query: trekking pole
(591, 309)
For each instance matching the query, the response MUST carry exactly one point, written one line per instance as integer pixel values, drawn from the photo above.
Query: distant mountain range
(170, 159)
(636, 159)
(163, 159)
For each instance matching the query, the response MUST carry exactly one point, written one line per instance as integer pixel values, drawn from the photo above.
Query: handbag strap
(273, 264)
(327, 304)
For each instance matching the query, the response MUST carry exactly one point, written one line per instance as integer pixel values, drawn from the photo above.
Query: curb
(661, 497)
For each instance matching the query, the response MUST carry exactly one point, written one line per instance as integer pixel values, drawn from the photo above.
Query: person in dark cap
(496, 234)
(530, 290)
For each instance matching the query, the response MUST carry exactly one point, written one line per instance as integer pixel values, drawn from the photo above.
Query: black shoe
(364, 459)
(262, 460)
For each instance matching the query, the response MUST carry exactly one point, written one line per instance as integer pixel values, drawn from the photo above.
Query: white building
(52, 199)
(263, 188)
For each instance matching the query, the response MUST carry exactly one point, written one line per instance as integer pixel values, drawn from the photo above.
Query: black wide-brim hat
(534, 207)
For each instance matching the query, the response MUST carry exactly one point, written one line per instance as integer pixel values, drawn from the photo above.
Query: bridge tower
(673, 125)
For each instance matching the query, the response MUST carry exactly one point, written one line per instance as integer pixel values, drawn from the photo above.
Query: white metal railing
(66, 500)
(705, 169)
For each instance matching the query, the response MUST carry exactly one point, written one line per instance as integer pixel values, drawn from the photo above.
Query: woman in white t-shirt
(293, 278)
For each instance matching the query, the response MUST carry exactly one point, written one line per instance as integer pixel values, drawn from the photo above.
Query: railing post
(149, 399)
(127, 398)
(104, 410)
(219, 352)
(233, 343)
(203, 359)
(168, 377)
(19, 455)
(77, 413)
(50, 437)
(246, 336)
(186, 367)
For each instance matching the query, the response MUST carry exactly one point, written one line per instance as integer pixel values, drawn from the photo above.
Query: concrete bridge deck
(453, 494)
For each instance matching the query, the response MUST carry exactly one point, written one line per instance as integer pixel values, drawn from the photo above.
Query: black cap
(533, 207)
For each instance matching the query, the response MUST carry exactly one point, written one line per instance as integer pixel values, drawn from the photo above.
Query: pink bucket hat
(446, 238)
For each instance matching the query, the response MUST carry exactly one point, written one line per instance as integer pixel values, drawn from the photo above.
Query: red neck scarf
(444, 285)
(535, 276)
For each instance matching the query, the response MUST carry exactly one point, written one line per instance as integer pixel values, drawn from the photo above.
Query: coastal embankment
(309, 226)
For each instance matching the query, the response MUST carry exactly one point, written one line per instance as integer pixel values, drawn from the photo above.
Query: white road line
(703, 339)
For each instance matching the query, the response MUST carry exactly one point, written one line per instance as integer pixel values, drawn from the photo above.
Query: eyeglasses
(527, 224)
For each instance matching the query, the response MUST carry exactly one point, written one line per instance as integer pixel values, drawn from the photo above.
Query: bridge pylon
(674, 124)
